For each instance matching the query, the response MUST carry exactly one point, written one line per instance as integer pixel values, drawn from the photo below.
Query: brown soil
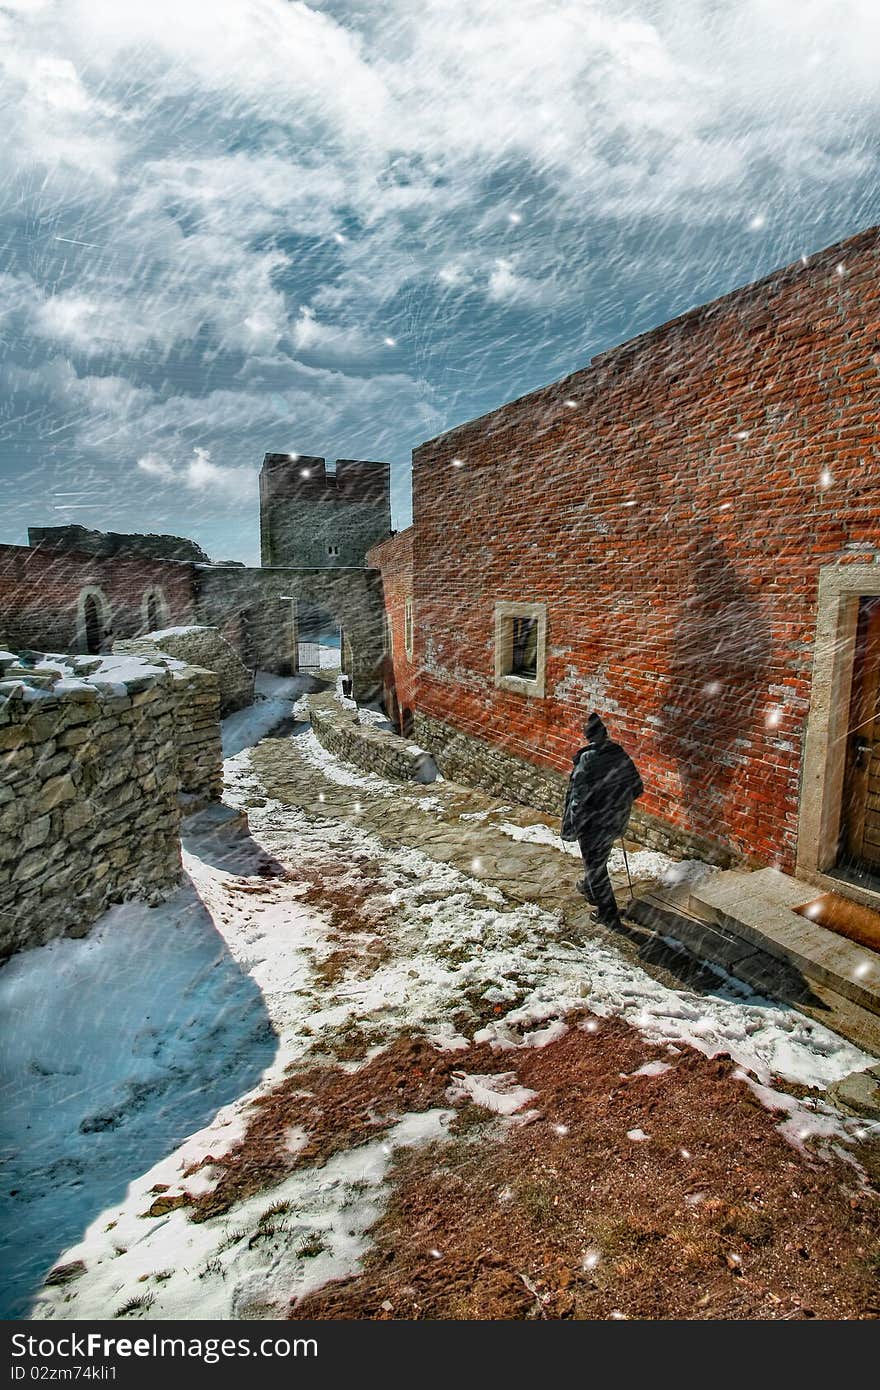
(714, 1216)
(338, 1109)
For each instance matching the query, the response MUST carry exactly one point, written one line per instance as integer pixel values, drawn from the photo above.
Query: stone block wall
(375, 750)
(204, 647)
(314, 517)
(89, 784)
(671, 507)
(197, 736)
(262, 604)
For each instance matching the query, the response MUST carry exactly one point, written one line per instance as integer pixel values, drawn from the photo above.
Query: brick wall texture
(672, 505)
(40, 588)
(394, 559)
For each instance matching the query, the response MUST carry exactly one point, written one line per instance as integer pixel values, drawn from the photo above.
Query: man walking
(603, 785)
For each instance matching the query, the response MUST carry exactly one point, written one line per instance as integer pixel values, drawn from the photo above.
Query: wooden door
(862, 787)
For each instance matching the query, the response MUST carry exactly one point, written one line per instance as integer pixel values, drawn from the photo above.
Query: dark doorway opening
(859, 856)
(319, 640)
(93, 625)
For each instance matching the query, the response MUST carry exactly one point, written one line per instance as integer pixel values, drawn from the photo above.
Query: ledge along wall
(671, 505)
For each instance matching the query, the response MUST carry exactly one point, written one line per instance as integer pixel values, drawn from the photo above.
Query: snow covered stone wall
(89, 785)
(205, 647)
(337, 729)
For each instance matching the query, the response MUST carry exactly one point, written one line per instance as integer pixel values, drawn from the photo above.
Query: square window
(520, 647)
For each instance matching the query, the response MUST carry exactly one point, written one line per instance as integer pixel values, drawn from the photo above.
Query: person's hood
(594, 729)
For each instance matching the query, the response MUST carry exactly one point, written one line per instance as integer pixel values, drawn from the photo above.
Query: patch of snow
(648, 1069)
(637, 1135)
(342, 773)
(500, 1093)
(253, 1263)
(276, 701)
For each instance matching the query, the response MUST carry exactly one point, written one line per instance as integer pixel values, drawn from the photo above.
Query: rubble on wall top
(31, 675)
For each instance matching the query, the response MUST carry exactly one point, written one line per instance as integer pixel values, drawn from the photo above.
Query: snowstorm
(439, 661)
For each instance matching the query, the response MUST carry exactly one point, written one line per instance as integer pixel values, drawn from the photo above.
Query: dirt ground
(561, 1215)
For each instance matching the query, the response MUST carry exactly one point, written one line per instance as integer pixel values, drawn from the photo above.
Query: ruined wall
(394, 561)
(312, 517)
(42, 595)
(197, 742)
(204, 647)
(89, 785)
(106, 544)
(671, 506)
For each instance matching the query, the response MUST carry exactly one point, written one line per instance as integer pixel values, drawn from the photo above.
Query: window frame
(505, 679)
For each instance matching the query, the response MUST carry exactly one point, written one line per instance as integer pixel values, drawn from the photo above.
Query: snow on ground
(643, 863)
(166, 1020)
(276, 696)
(277, 1245)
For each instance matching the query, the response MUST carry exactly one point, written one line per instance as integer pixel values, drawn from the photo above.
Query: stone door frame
(825, 745)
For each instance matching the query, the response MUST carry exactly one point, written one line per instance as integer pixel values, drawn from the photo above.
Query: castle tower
(317, 517)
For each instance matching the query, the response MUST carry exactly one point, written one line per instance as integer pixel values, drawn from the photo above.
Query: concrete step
(667, 913)
(758, 908)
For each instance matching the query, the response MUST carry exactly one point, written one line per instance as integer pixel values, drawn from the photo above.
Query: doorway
(319, 640)
(859, 856)
(94, 627)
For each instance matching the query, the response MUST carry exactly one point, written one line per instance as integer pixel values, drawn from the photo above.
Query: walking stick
(628, 875)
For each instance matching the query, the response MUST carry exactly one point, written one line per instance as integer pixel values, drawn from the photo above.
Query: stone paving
(429, 818)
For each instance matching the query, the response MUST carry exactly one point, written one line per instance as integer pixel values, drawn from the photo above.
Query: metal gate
(309, 657)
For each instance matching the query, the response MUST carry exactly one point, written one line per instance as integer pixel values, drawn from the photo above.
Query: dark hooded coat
(602, 787)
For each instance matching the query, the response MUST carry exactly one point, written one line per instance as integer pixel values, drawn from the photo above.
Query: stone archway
(92, 620)
(155, 611)
(257, 603)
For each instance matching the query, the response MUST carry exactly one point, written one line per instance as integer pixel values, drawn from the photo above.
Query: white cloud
(155, 466)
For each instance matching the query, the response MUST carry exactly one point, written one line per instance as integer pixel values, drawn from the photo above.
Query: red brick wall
(394, 558)
(668, 506)
(39, 589)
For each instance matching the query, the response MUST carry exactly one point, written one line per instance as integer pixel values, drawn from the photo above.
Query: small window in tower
(520, 647)
(333, 550)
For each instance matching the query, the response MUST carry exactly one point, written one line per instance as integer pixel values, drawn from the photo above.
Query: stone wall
(89, 784)
(475, 762)
(670, 507)
(205, 647)
(256, 609)
(197, 736)
(311, 516)
(83, 541)
(376, 750)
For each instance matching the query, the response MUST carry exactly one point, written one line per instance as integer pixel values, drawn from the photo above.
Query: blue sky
(233, 226)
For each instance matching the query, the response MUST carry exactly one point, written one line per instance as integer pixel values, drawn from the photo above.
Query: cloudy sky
(232, 226)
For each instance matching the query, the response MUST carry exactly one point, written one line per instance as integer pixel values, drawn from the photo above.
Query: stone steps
(746, 924)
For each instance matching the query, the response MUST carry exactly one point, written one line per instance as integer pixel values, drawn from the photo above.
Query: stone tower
(317, 517)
